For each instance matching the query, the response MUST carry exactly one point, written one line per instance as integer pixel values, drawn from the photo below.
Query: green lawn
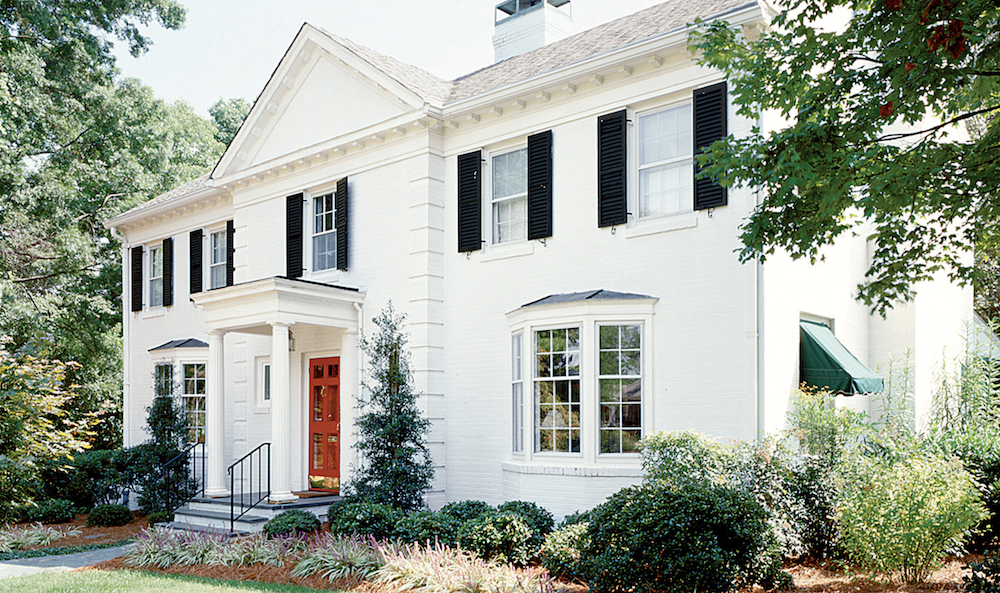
(95, 581)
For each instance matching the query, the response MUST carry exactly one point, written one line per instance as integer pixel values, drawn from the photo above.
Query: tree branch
(954, 120)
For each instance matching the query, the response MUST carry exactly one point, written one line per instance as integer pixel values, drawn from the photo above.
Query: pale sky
(228, 48)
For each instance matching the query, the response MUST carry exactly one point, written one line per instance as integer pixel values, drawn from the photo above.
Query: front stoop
(212, 514)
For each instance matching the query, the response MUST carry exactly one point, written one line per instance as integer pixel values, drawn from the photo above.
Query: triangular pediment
(320, 90)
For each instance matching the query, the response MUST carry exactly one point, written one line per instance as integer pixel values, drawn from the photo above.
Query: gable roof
(655, 21)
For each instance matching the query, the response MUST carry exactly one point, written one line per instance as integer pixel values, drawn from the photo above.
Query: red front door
(324, 424)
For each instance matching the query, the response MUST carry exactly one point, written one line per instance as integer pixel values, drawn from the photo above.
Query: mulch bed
(809, 575)
(95, 535)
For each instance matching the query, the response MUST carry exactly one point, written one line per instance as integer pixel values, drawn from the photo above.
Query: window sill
(153, 313)
(687, 220)
(324, 276)
(621, 471)
(504, 251)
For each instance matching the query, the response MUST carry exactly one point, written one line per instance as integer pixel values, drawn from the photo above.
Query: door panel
(324, 424)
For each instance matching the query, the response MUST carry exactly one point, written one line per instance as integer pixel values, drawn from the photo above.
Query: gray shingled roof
(641, 25)
(181, 190)
(590, 295)
(185, 343)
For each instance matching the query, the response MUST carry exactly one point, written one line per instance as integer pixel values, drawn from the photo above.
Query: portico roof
(251, 307)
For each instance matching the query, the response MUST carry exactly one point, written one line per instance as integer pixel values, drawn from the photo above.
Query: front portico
(277, 307)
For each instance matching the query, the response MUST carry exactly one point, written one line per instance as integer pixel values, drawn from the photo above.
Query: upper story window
(557, 390)
(324, 233)
(509, 200)
(156, 277)
(217, 260)
(665, 162)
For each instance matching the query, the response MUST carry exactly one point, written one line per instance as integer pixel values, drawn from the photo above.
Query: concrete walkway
(16, 568)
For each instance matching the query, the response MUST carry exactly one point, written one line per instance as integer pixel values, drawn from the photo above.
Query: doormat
(313, 494)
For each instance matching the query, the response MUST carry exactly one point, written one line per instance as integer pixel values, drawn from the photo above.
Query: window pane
(609, 337)
(218, 248)
(217, 276)
(510, 187)
(557, 391)
(267, 382)
(666, 189)
(620, 388)
(325, 251)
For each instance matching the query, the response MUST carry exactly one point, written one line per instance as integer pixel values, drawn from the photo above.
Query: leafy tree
(875, 112)
(228, 115)
(35, 423)
(396, 466)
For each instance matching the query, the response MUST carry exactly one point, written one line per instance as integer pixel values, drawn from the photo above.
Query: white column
(215, 418)
(349, 390)
(281, 447)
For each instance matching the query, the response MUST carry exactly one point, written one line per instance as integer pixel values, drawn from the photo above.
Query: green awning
(825, 363)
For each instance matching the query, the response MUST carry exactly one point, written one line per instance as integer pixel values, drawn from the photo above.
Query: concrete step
(182, 526)
(221, 516)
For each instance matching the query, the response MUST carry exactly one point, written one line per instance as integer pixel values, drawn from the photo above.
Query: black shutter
(612, 158)
(709, 126)
(137, 278)
(230, 252)
(470, 201)
(293, 236)
(540, 185)
(197, 256)
(168, 271)
(341, 206)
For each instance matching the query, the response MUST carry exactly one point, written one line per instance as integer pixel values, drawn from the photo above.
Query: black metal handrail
(180, 476)
(245, 497)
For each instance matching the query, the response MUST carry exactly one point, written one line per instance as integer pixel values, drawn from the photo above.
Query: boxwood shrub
(109, 515)
(51, 511)
(364, 518)
(290, 523)
(656, 537)
(504, 537)
(538, 519)
(561, 551)
(466, 510)
(428, 526)
(159, 517)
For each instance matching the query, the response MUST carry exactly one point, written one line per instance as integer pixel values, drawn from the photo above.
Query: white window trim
(587, 315)
(312, 234)
(663, 222)
(182, 395)
(643, 402)
(148, 276)
(508, 248)
(518, 409)
(260, 376)
(208, 252)
(329, 275)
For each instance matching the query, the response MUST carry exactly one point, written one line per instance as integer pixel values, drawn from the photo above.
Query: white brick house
(568, 285)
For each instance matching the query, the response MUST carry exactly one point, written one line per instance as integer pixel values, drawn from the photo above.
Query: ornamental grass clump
(163, 548)
(440, 569)
(20, 538)
(340, 557)
(900, 518)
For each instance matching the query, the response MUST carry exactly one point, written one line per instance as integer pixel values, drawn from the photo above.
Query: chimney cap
(515, 7)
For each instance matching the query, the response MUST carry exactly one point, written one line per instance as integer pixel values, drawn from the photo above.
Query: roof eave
(135, 216)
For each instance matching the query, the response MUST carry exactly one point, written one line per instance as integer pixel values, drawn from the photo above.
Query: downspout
(126, 344)
(758, 297)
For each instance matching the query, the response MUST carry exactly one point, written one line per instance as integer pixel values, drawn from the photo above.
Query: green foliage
(340, 557)
(292, 523)
(928, 191)
(504, 537)
(900, 517)
(538, 519)
(813, 484)
(681, 457)
(86, 479)
(466, 510)
(561, 551)
(167, 547)
(821, 428)
(364, 518)
(984, 577)
(228, 116)
(36, 425)
(159, 517)
(437, 568)
(18, 538)
(428, 526)
(396, 467)
(658, 537)
(51, 511)
(109, 515)
(575, 518)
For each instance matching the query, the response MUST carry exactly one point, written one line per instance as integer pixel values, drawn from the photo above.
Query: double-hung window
(163, 379)
(194, 401)
(517, 392)
(665, 162)
(217, 261)
(156, 277)
(620, 388)
(557, 390)
(509, 200)
(324, 234)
